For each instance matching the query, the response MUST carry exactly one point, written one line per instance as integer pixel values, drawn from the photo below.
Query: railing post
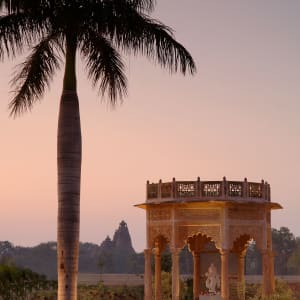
(159, 189)
(147, 189)
(174, 192)
(198, 187)
(245, 188)
(263, 190)
(268, 187)
(224, 187)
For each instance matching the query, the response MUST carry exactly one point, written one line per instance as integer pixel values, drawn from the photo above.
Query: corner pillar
(175, 274)
(196, 277)
(266, 270)
(157, 281)
(224, 274)
(147, 275)
(272, 276)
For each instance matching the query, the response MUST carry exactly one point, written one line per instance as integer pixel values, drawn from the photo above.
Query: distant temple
(208, 216)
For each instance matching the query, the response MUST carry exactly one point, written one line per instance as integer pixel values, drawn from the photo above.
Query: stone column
(241, 274)
(272, 278)
(147, 275)
(196, 277)
(175, 274)
(157, 261)
(224, 274)
(266, 273)
(241, 266)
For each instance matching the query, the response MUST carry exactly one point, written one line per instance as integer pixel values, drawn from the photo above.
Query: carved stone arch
(241, 243)
(196, 243)
(160, 242)
(254, 232)
(156, 232)
(213, 232)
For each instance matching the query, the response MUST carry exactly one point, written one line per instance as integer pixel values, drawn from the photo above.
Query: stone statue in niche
(212, 279)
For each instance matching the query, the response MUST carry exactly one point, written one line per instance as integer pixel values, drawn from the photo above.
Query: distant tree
(136, 263)
(106, 262)
(284, 244)
(5, 248)
(293, 263)
(253, 260)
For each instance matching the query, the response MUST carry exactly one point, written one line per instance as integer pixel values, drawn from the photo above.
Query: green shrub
(282, 292)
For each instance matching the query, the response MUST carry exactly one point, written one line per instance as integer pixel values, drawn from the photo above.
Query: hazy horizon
(237, 117)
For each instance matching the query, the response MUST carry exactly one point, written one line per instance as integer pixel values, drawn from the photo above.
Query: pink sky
(238, 117)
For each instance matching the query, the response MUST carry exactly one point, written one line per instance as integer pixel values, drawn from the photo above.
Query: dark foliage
(99, 29)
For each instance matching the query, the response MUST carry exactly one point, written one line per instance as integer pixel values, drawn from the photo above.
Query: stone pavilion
(229, 214)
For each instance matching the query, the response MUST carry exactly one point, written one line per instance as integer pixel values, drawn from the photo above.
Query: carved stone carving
(197, 243)
(166, 190)
(156, 231)
(199, 214)
(246, 213)
(255, 232)
(159, 214)
(213, 232)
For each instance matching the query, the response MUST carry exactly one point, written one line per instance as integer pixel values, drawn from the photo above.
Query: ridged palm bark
(69, 174)
(98, 30)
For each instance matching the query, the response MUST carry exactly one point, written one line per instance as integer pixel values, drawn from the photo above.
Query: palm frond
(143, 5)
(35, 74)
(14, 6)
(9, 5)
(134, 31)
(18, 31)
(104, 66)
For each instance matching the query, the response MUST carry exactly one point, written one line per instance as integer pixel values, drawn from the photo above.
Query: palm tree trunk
(69, 171)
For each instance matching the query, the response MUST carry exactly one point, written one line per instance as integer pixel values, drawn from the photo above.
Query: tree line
(118, 256)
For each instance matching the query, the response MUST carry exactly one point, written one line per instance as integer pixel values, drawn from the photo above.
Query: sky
(237, 117)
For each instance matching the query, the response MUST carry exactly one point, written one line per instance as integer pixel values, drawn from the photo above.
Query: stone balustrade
(208, 190)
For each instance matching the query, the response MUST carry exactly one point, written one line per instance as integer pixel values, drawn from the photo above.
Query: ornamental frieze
(199, 214)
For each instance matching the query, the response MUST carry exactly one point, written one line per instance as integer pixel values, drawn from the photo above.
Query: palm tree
(99, 30)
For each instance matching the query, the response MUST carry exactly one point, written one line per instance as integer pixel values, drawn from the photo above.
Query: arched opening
(237, 283)
(206, 266)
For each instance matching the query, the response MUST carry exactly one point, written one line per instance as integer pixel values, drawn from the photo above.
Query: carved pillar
(147, 275)
(272, 278)
(157, 261)
(241, 274)
(196, 281)
(175, 274)
(241, 266)
(224, 274)
(266, 272)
